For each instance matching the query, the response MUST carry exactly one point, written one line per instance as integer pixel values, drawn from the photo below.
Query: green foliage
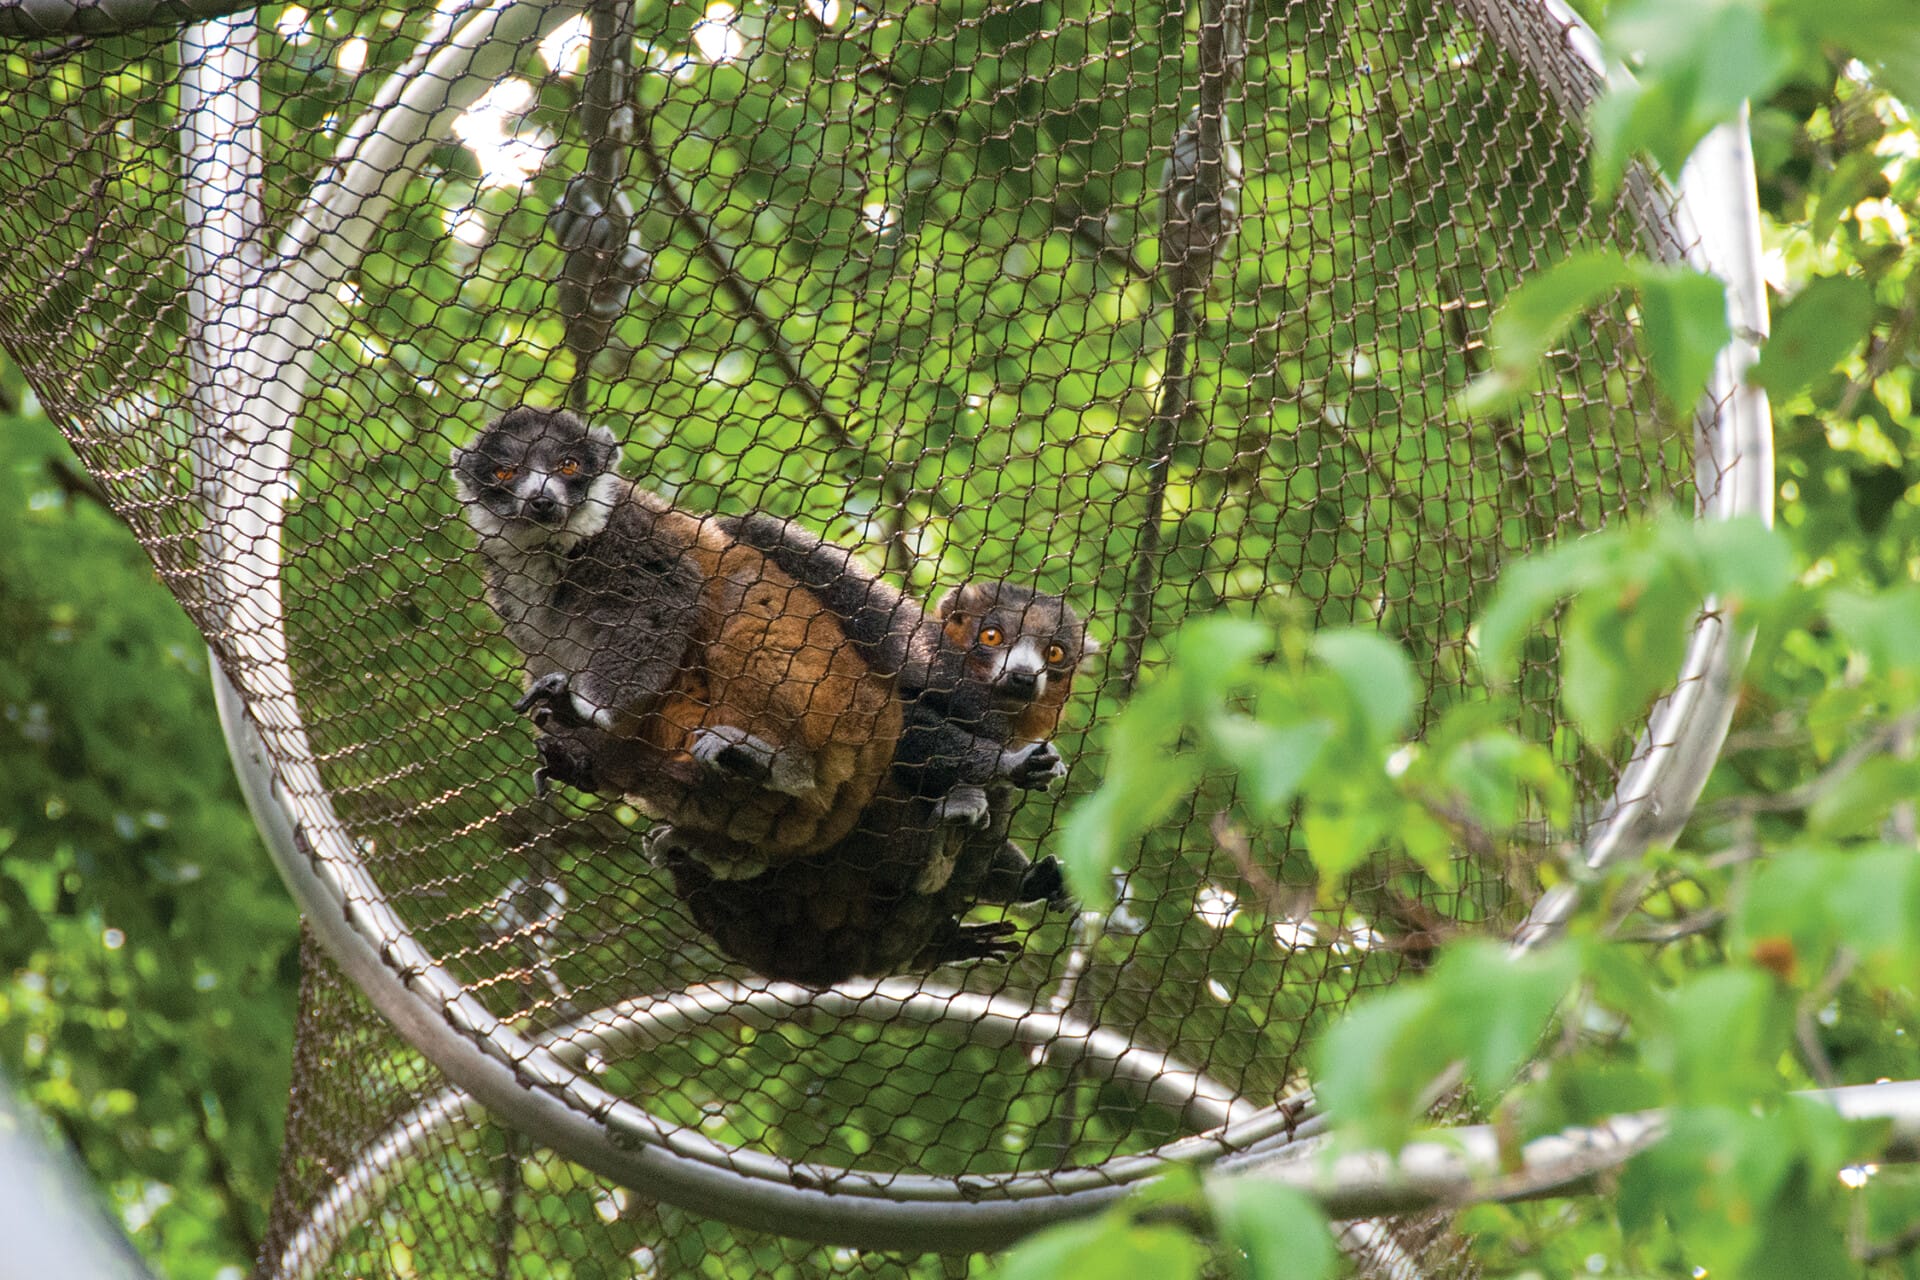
(1814, 332)
(1378, 1066)
(1683, 314)
(1295, 717)
(1090, 1250)
(1263, 1233)
(146, 945)
(1745, 1179)
(1270, 1232)
(1749, 1194)
(1637, 595)
(1698, 64)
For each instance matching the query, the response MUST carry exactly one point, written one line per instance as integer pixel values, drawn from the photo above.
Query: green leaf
(1698, 64)
(1498, 1005)
(1856, 803)
(1684, 325)
(1376, 675)
(1744, 561)
(1375, 1064)
(1749, 1194)
(1339, 834)
(1727, 1028)
(1218, 649)
(1873, 907)
(1103, 829)
(1624, 645)
(1490, 771)
(1108, 1246)
(1280, 1233)
(1815, 331)
(1528, 590)
(1532, 318)
(1882, 33)
(1884, 627)
(1272, 759)
(1800, 907)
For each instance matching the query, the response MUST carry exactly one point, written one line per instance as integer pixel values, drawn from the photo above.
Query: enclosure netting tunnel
(1157, 309)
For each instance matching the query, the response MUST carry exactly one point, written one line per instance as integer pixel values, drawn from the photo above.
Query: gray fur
(583, 582)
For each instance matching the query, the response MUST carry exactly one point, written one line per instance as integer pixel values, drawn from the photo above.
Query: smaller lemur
(983, 678)
(984, 698)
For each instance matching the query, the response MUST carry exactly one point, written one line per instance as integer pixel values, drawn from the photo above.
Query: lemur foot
(988, 940)
(665, 843)
(1011, 878)
(965, 805)
(550, 699)
(1045, 883)
(1035, 766)
(730, 749)
(565, 761)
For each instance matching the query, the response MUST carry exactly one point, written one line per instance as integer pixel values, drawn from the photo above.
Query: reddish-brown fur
(765, 656)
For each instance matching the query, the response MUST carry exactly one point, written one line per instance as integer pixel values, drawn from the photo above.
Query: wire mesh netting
(1158, 309)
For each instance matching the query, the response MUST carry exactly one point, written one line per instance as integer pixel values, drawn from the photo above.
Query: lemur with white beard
(667, 661)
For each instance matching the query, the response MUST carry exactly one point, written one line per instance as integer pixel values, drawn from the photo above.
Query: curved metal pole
(626, 1144)
(643, 1023)
(1733, 468)
(45, 19)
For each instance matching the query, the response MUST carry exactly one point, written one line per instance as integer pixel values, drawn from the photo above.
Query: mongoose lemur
(895, 892)
(667, 661)
(984, 677)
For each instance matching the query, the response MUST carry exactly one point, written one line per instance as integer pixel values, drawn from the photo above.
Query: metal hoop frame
(251, 374)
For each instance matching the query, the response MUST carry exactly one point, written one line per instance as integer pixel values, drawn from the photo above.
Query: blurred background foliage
(147, 948)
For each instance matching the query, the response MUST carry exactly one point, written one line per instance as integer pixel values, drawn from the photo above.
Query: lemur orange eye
(1056, 654)
(503, 474)
(991, 637)
(568, 467)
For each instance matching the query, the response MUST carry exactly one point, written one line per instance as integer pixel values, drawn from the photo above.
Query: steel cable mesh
(905, 286)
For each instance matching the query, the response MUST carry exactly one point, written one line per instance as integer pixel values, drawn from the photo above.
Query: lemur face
(535, 474)
(1022, 645)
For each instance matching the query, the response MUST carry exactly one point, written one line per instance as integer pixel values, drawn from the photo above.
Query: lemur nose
(1023, 683)
(541, 506)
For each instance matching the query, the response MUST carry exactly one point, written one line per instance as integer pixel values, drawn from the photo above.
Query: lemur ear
(609, 447)
(968, 600)
(1089, 646)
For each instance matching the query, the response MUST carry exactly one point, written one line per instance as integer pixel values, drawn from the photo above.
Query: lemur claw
(965, 805)
(730, 749)
(1044, 883)
(550, 698)
(1035, 767)
(987, 940)
(562, 761)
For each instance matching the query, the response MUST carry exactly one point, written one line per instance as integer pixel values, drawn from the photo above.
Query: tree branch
(739, 290)
(1886, 738)
(1469, 1164)
(1199, 205)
